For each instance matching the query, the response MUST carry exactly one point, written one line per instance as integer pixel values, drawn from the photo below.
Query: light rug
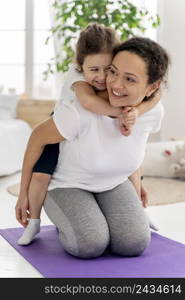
(160, 190)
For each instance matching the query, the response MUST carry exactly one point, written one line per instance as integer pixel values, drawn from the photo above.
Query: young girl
(93, 57)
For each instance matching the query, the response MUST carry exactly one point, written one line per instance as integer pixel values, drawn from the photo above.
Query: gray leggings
(90, 222)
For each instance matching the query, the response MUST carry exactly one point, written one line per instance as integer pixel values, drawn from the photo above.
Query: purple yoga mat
(163, 258)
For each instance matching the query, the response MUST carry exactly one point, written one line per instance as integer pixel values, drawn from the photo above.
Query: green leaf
(71, 16)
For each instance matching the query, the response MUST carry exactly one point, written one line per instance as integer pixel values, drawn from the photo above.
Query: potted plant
(73, 15)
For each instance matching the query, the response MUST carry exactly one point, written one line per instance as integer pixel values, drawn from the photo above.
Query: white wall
(171, 35)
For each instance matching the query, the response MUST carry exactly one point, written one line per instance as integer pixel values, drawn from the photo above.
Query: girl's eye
(112, 71)
(94, 70)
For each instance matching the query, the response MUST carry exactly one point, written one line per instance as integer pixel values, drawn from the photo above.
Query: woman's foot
(30, 231)
(153, 225)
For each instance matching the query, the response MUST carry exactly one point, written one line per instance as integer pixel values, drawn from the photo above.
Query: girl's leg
(83, 230)
(127, 221)
(41, 176)
(36, 195)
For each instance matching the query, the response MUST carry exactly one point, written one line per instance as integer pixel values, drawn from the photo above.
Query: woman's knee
(131, 245)
(84, 235)
(90, 246)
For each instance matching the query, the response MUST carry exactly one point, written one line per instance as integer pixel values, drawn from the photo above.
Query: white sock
(30, 231)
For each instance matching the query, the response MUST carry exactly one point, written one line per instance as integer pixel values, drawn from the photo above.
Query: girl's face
(95, 69)
(127, 80)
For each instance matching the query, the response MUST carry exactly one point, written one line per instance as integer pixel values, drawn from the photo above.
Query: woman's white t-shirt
(95, 156)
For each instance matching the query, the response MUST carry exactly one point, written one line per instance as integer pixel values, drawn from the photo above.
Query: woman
(93, 196)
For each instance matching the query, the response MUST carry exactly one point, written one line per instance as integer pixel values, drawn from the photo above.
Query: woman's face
(127, 80)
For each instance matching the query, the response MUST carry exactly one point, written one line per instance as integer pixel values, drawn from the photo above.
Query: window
(24, 26)
(42, 53)
(12, 49)
(151, 6)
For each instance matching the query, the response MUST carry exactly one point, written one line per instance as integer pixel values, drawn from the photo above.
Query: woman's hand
(144, 196)
(127, 119)
(22, 210)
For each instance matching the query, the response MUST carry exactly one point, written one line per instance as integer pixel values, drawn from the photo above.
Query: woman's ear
(153, 87)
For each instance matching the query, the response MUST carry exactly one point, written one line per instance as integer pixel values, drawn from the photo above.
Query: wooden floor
(12, 264)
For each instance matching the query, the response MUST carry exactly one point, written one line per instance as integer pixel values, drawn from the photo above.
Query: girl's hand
(144, 196)
(127, 119)
(124, 129)
(21, 210)
(129, 115)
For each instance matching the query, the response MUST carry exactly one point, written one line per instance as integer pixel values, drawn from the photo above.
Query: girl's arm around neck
(95, 102)
(149, 104)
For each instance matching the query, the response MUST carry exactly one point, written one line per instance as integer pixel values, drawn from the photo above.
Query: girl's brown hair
(94, 39)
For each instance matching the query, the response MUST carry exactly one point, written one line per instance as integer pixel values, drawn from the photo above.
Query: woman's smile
(118, 94)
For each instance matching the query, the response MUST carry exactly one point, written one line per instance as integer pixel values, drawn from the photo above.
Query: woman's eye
(94, 70)
(129, 79)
